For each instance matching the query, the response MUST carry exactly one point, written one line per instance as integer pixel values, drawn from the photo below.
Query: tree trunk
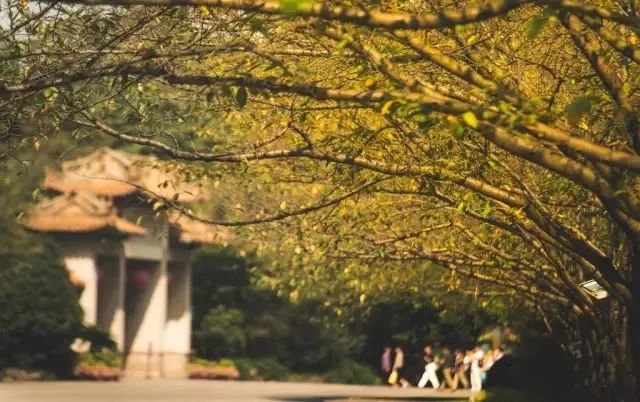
(633, 313)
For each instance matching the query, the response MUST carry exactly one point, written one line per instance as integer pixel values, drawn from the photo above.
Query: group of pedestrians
(447, 368)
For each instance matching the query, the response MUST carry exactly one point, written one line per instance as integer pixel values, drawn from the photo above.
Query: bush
(352, 372)
(220, 334)
(246, 369)
(40, 314)
(105, 357)
(262, 369)
(99, 366)
(271, 370)
(203, 369)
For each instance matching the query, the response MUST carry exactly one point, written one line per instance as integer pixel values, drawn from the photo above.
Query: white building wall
(146, 307)
(111, 296)
(84, 267)
(177, 333)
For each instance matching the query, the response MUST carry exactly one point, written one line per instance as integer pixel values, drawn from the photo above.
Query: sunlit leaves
(578, 108)
(470, 119)
(537, 24)
(292, 6)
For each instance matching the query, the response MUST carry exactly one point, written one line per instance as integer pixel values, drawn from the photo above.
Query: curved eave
(82, 224)
(97, 186)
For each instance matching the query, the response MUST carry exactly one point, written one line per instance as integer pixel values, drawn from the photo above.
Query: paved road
(213, 391)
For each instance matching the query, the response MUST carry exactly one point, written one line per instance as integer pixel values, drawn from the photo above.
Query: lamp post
(594, 289)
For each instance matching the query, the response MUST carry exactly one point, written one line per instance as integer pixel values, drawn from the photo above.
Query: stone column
(145, 323)
(118, 323)
(177, 333)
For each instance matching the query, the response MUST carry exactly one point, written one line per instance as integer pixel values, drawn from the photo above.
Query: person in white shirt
(476, 373)
(430, 373)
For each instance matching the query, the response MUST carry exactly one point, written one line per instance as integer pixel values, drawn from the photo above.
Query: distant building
(132, 265)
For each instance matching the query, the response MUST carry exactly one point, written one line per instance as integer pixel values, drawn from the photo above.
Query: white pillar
(83, 266)
(177, 333)
(110, 296)
(145, 326)
(118, 323)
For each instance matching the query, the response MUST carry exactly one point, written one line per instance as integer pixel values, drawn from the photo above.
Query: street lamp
(594, 289)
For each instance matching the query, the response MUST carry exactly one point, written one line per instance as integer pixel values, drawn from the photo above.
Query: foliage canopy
(497, 139)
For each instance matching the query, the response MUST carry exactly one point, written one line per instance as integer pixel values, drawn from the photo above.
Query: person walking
(476, 373)
(461, 369)
(448, 368)
(385, 364)
(487, 363)
(430, 374)
(398, 368)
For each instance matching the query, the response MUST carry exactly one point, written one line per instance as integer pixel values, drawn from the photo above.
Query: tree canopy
(496, 139)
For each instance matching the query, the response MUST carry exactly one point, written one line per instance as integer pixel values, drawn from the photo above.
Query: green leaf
(486, 211)
(619, 193)
(470, 119)
(578, 108)
(537, 24)
(293, 6)
(460, 29)
(241, 97)
(343, 43)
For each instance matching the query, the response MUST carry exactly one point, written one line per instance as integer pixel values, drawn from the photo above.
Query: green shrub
(261, 369)
(226, 363)
(352, 372)
(246, 368)
(109, 358)
(220, 334)
(39, 314)
(271, 369)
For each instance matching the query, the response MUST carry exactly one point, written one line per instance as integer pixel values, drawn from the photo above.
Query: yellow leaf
(387, 107)
(470, 119)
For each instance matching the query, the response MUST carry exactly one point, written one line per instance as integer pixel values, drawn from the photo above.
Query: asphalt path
(215, 391)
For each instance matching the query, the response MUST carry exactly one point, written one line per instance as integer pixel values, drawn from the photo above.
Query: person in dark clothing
(448, 369)
(399, 367)
(428, 352)
(385, 364)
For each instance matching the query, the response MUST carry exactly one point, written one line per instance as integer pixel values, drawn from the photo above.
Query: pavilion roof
(195, 231)
(78, 212)
(113, 173)
(88, 186)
